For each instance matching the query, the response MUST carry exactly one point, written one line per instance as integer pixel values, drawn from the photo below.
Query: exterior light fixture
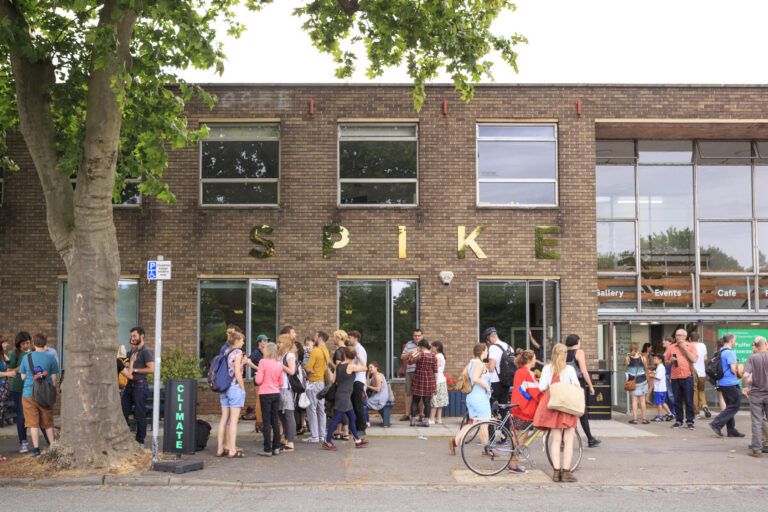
(446, 276)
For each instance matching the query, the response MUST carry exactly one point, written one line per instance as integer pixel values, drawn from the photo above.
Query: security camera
(446, 276)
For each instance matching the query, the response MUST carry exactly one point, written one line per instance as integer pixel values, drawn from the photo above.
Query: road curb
(138, 481)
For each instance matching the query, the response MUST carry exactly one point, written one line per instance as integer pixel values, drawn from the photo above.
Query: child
(309, 344)
(660, 388)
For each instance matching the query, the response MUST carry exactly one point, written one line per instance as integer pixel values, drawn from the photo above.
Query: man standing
(409, 347)
(316, 366)
(756, 389)
(699, 384)
(137, 391)
(288, 329)
(681, 356)
(353, 340)
(43, 366)
(496, 349)
(729, 387)
(16, 386)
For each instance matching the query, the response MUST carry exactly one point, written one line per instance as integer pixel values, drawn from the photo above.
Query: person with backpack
(232, 398)
(501, 366)
(287, 356)
(575, 357)
(728, 384)
(42, 366)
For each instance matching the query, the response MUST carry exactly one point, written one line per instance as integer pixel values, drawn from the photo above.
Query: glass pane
(363, 307)
(516, 194)
(516, 160)
(666, 217)
(222, 302)
(240, 159)
(263, 308)
(617, 292)
(552, 318)
(725, 149)
(762, 293)
(725, 246)
(130, 194)
(666, 290)
(616, 246)
(253, 132)
(377, 159)
(536, 319)
(664, 151)
(240, 193)
(725, 191)
(761, 191)
(376, 130)
(726, 292)
(378, 193)
(502, 305)
(520, 131)
(617, 151)
(615, 191)
(405, 301)
(762, 244)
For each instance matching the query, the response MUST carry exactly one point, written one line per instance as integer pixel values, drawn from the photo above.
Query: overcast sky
(587, 41)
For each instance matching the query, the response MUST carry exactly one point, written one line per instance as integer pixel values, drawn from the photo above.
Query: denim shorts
(234, 397)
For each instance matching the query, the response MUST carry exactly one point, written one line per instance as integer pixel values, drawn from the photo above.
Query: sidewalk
(642, 455)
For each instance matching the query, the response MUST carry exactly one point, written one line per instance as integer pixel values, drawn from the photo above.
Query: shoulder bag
(43, 391)
(328, 375)
(464, 382)
(631, 383)
(566, 397)
(294, 381)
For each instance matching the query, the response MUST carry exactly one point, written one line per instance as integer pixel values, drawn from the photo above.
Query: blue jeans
(21, 429)
(136, 396)
(683, 391)
(350, 414)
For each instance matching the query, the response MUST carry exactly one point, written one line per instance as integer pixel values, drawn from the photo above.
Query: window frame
(340, 180)
(203, 181)
(555, 180)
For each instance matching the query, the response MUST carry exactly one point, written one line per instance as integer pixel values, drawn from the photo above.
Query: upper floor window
(378, 164)
(517, 164)
(240, 165)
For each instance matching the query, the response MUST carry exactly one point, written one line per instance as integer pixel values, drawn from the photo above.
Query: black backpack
(714, 368)
(202, 433)
(506, 368)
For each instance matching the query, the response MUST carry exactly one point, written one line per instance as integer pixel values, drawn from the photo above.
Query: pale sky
(587, 41)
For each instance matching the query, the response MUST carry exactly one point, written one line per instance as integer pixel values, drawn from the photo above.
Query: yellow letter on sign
(469, 241)
(329, 244)
(401, 241)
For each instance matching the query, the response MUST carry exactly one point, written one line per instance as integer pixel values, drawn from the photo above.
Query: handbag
(294, 381)
(567, 398)
(328, 392)
(43, 391)
(328, 375)
(464, 383)
(631, 384)
(303, 401)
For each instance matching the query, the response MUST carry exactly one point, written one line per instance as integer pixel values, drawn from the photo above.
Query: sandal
(646, 422)
(336, 437)
(344, 437)
(2, 458)
(225, 453)
(633, 422)
(237, 455)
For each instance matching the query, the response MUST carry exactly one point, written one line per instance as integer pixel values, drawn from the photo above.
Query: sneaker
(515, 469)
(360, 443)
(36, 452)
(698, 417)
(690, 426)
(706, 410)
(669, 417)
(431, 422)
(677, 425)
(657, 419)
(24, 447)
(736, 434)
(310, 440)
(593, 442)
(439, 422)
(276, 452)
(716, 430)
(265, 454)
(329, 446)
(404, 417)
(753, 453)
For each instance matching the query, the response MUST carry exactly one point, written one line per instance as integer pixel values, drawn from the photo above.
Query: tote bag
(567, 398)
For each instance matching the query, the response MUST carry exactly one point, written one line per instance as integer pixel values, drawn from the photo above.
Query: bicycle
(503, 444)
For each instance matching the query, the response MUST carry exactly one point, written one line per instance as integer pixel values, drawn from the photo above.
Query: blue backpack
(219, 379)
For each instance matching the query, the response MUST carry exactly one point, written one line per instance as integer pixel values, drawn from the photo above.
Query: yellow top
(318, 362)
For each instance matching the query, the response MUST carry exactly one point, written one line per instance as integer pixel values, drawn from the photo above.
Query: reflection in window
(615, 191)
(724, 191)
(517, 165)
(726, 292)
(725, 246)
(666, 290)
(665, 151)
(617, 292)
(761, 191)
(616, 246)
(378, 164)
(240, 165)
(762, 245)
(615, 152)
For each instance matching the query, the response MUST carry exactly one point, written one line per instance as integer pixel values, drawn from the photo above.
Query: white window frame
(203, 181)
(340, 180)
(479, 180)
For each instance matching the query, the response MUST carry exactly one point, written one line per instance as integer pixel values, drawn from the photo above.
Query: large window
(378, 164)
(240, 165)
(692, 214)
(517, 165)
(127, 314)
(526, 314)
(251, 304)
(385, 311)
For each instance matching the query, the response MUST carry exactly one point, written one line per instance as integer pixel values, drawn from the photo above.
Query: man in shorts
(409, 347)
(43, 366)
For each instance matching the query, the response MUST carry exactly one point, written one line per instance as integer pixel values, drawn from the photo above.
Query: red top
(424, 381)
(269, 376)
(683, 369)
(527, 408)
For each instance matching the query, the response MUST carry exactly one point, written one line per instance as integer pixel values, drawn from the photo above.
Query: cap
(488, 332)
(262, 337)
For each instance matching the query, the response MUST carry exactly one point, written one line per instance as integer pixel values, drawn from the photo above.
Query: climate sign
(180, 416)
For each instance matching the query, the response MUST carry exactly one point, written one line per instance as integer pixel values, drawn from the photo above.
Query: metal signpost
(157, 271)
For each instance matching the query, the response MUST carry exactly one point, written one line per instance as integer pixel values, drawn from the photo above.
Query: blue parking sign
(151, 270)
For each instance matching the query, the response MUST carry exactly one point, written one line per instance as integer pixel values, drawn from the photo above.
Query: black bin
(599, 404)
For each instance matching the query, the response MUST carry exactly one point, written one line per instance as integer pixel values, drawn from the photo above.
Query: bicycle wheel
(468, 437)
(487, 459)
(576, 453)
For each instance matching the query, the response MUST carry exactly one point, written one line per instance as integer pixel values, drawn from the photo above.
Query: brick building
(616, 212)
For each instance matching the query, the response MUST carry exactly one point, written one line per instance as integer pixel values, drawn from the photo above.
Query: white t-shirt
(660, 379)
(495, 352)
(440, 368)
(568, 375)
(699, 365)
(361, 359)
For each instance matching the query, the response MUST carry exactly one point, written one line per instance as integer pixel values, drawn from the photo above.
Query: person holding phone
(682, 355)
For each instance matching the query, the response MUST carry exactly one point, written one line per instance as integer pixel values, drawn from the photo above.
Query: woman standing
(287, 356)
(340, 342)
(342, 404)
(440, 399)
(561, 424)
(378, 392)
(424, 383)
(232, 400)
(479, 399)
(301, 412)
(637, 368)
(578, 361)
(269, 378)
